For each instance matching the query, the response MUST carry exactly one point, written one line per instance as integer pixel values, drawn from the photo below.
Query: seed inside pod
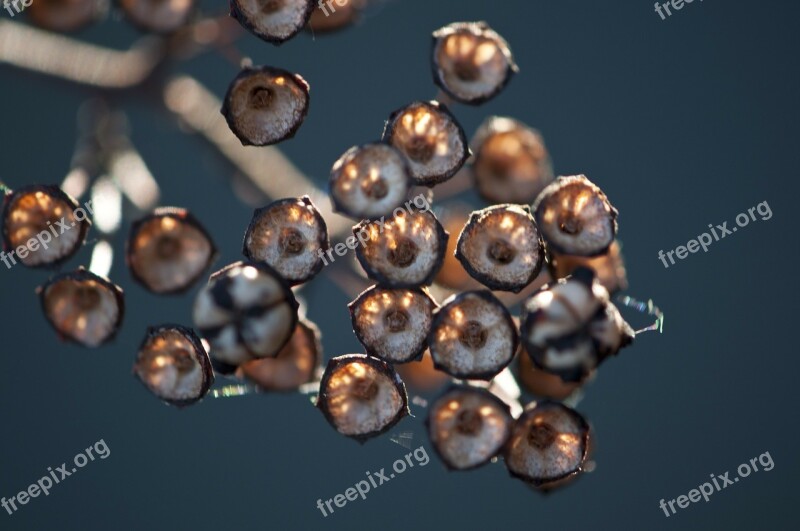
(265, 105)
(157, 16)
(65, 15)
(334, 16)
(83, 307)
(575, 217)
(362, 396)
(274, 21)
(431, 139)
(609, 266)
(173, 365)
(473, 336)
(500, 247)
(471, 62)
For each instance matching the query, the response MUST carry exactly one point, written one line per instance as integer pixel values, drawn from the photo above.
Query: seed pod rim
(239, 15)
(144, 27)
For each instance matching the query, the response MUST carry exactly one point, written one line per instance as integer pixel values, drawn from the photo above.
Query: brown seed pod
(431, 139)
(265, 105)
(471, 62)
(610, 267)
(500, 247)
(542, 383)
(290, 236)
(274, 21)
(333, 16)
(362, 396)
(473, 336)
(173, 365)
(65, 16)
(157, 16)
(168, 251)
(421, 376)
(575, 217)
(83, 307)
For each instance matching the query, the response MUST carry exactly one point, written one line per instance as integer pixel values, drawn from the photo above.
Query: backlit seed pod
(245, 311)
(42, 226)
(393, 324)
(82, 307)
(334, 16)
(610, 267)
(274, 21)
(362, 396)
(500, 247)
(471, 62)
(369, 181)
(265, 105)
(157, 16)
(468, 426)
(168, 251)
(173, 365)
(290, 236)
(431, 139)
(65, 15)
(575, 217)
(541, 383)
(473, 336)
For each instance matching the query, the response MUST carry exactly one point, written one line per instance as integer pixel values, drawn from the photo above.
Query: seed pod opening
(335, 16)
(173, 365)
(157, 16)
(473, 336)
(575, 217)
(274, 21)
(431, 139)
(500, 247)
(290, 236)
(362, 396)
(65, 16)
(471, 62)
(609, 266)
(82, 307)
(168, 251)
(468, 426)
(265, 105)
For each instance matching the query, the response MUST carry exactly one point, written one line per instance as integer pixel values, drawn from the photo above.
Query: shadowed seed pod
(245, 311)
(65, 15)
(501, 248)
(421, 375)
(83, 307)
(265, 105)
(157, 16)
(575, 217)
(42, 226)
(290, 236)
(609, 266)
(471, 62)
(274, 21)
(473, 336)
(393, 324)
(362, 396)
(542, 383)
(173, 365)
(468, 426)
(333, 16)
(432, 140)
(168, 251)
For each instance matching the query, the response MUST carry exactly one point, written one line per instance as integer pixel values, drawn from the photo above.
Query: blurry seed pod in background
(421, 376)
(157, 16)
(274, 21)
(334, 16)
(66, 16)
(453, 275)
(542, 383)
(609, 266)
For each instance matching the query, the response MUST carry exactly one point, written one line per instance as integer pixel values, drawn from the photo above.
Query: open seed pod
(609, 266)
(65, 16)
(290, 236)
(274, 21)
(471, 62)
(431, 139)
(335, 15)
(362, 396)
(157, 16)
(265, 105)
(542, 383)
(173, 365)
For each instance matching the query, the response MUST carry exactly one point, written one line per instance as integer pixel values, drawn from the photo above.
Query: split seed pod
(335, 17)
(65, 16)
(274, 21)
(609, 266)
(157, 16)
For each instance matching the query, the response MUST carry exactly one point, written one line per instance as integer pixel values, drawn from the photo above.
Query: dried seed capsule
(83, 307)
(246, 311)
(431, 138)
(575, 217)
(542, 383)
(168, 251)
(362, 396)
(500, 247)
(610, 267)
(173, 365)
(290, 236)
(274, 21)
(157, 16)
(334, 16)
(468, 426)
(471, 62)
(65, 15)
(473, 336)
(393, 324)
(265, 105)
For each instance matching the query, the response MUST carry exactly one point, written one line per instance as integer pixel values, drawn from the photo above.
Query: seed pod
(471, 62)
(500, 247)
(290, 236)
(575, 217)
(432, 140)
(473, 336)
(610, 267)
(393, 324)
(542, 383)
(168, 251)
(43, 222)
(421, 376)
(246, 311)
(157, 16)
(335, 16)
(511, 163)
(362, 396)
(274, 21)
(173, 365)
(265, 105)
(65, 16)
(82, 307)
(468, 426)
(404, 252)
